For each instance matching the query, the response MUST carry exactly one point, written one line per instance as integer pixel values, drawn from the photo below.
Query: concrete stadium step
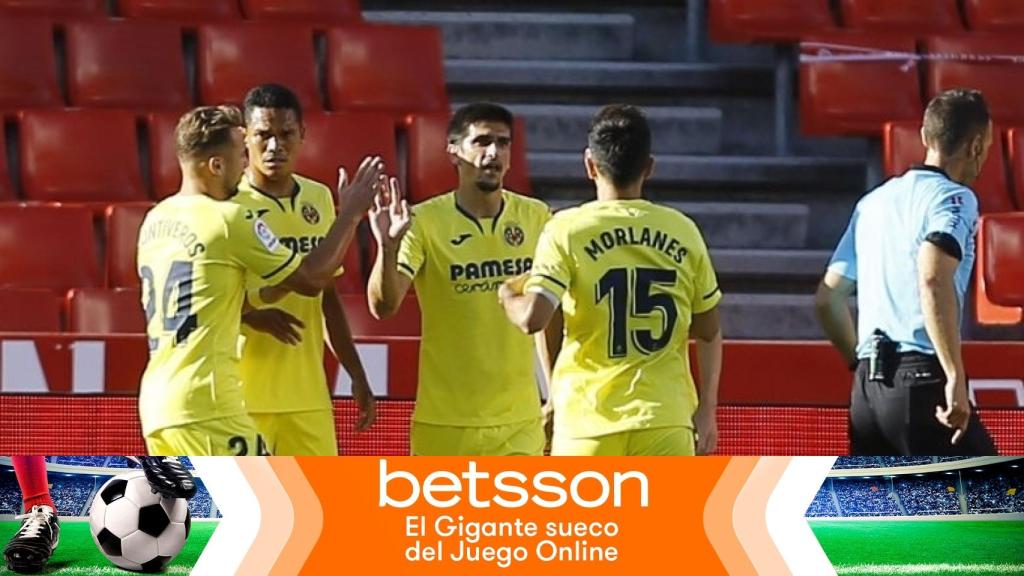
(524, 35)
(758, 263)
(769, 316)
(675, 130)
(741, 225)
(683, 170)
(633, 79)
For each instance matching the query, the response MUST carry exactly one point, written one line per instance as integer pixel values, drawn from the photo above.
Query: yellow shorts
(517, 439)
(671, 441)
(234, 436)
(308, 433)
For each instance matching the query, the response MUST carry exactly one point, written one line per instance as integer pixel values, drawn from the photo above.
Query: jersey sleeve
(951, 220)
(253, 245)
(844, 259)
(707, 293)
(327, 211)
(411, 253)
(552, 263)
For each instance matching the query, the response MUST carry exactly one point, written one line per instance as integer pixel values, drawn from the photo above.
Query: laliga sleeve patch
(266, 235)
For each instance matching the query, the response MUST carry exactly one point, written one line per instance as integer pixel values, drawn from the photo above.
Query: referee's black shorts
(897, 416)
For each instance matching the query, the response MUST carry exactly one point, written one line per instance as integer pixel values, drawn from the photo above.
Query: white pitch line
(110, 570)
(932, 569)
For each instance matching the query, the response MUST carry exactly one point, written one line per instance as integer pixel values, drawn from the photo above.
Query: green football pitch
(929, 547)
(77, 555)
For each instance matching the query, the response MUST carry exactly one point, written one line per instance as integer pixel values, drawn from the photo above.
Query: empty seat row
(331, 11)
(55, 248)
(51, 171)
(999, 271)
(389, 69)
(119, 311)
(852, 84)
(792, 20)
(902, 148)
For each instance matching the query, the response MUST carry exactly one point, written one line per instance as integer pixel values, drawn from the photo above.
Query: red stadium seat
(189, 11)
(313, 11)
(430, 169)
(80, 156)
(767, 20)
(29, 310)
(1015, 156)
(1000, 237)
(58, 9)
(406, 322)
(913, 17)
(99, 311)
(6, 185)
(122, 224)
(393, 69)
(149, 75)
(1003, 266)
(232, 58)
(999, 78)
(840, 96)
(28, 65)
(353, 281)
(49, 247)
(164, 172)
(902, 148)
(344, 139)
(995, 15)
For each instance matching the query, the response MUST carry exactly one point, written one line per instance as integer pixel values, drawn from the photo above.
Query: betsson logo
(444, 489)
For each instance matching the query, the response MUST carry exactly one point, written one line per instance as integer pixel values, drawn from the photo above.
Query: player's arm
(390, 221)
(529, 311)
(951, 223)
(549, 344)
(706, 329)
(318, 268)
(339, 337)
(830, 300)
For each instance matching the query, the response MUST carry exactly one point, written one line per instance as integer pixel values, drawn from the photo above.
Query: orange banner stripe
(276, 516)
(719, 513)
(309, 517)
(751, 517)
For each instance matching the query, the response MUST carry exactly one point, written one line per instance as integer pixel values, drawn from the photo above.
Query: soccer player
(31, 547)
(909, 250)
(193, 253)
(295, 419)
(635, 281)
(478, 393)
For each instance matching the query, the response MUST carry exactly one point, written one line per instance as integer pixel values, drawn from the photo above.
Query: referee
(908, 250)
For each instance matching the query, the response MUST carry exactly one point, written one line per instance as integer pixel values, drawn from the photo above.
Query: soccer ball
(135, 528)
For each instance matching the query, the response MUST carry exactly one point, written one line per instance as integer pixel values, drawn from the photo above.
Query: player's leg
(234, 436)
(309, 433)
(670, 441)
(34, 543)
(606, 445)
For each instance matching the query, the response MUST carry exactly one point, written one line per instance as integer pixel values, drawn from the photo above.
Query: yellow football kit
(193, 253)
(280, 381)
(629, 274)
(476, 369)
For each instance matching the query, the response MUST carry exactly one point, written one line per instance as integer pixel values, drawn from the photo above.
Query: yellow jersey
(629, 274)
(476, 369)
(278, 377)
(193, 253)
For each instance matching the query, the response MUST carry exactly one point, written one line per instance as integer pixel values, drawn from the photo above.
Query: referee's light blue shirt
(879, 250)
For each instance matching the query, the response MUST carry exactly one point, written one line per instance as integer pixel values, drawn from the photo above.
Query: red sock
(35, 488)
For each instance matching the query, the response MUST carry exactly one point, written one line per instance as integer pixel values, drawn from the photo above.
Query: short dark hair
(620, 143)
(272, 96)
(204, 130)
(953, 118)
(470, 114)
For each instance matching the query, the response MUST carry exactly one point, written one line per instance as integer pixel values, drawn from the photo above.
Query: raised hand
(390, 217)
(356, 197)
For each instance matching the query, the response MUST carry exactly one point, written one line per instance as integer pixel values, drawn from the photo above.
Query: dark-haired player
(634, 281)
